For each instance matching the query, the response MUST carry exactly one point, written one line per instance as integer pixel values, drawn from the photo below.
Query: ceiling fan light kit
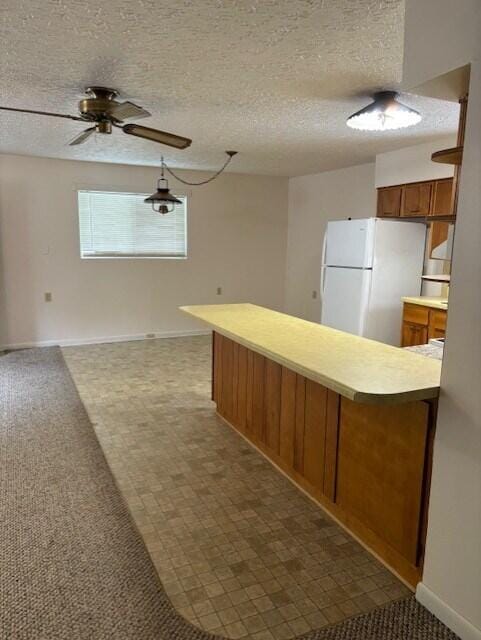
(384, 114)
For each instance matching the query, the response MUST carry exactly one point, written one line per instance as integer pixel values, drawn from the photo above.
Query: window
(122, 225)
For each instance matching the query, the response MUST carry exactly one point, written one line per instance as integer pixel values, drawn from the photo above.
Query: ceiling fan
(101, 109)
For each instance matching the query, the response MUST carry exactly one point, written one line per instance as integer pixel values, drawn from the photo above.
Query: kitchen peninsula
(349, 420)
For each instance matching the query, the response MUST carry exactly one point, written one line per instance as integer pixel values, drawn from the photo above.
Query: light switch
(219, 291)
(48, 297)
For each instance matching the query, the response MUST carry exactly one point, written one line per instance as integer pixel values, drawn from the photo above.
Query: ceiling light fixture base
(384, 114)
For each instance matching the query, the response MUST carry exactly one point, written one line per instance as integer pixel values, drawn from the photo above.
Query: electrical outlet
(48, 297)
(150, 335)
(219, 291)
(314, 295)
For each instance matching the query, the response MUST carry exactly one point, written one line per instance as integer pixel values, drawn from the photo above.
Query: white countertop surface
(359, 369)
(434, 302)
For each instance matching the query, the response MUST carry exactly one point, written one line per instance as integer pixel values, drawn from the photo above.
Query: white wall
(413, 164)
(440, 35)
(313, 200)
(236, 234)
(451, 585)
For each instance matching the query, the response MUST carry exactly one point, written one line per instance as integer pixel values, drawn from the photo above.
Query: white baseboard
(72, 342)
(451, 618)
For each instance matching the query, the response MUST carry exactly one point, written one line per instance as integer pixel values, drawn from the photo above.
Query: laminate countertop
(433, 302)
(360, 369)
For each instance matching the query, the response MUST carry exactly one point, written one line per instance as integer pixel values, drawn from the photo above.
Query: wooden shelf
(445, 278)
(448, 156)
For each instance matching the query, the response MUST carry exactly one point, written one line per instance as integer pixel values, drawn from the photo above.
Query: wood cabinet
(420, 324)
(367, 465)
(437, 323)
(443, 198)
(413, 334)
(417, 199)
(389, 202)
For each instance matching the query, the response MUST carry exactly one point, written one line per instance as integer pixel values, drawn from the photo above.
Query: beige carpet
(72, 564)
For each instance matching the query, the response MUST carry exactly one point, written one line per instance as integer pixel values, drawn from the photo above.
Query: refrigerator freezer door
(345, 299)
(349, 243)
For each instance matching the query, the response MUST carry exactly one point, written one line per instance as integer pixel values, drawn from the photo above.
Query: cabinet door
(416, 199)
(437, 323)
(414, 334)
(443, 198)
(389, 202)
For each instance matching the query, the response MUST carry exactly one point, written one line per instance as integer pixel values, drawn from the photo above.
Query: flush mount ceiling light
(163, 201)
(384, 114)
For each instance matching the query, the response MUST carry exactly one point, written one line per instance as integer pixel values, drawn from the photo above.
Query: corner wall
(451, 586)
(237, 229)
(440, 36)
(313, 200)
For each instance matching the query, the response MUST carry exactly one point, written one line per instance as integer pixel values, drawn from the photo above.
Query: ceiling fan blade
(42, 113)
(126, 110)
(155, 135)
(82, 137)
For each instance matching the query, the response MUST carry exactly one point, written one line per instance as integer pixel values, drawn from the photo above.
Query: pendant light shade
(384, 114)
(162, 200)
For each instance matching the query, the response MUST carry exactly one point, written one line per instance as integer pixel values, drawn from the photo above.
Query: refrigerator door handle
(321, 288)
(323, 267)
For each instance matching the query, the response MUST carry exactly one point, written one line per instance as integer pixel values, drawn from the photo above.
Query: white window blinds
(117, 224)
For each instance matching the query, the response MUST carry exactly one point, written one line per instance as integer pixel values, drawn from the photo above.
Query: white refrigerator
(368, 265)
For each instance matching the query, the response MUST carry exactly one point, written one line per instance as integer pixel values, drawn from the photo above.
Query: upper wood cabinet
(417, 199)
(389, 202)
(443, 198)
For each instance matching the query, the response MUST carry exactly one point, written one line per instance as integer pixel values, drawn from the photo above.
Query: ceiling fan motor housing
(98, 105)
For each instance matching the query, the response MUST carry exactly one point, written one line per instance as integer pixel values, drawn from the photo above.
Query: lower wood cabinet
(413, 335)
(367, 465)
(420, 324)
(437, 323)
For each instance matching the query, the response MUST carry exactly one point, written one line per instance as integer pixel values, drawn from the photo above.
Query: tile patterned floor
(240, 550)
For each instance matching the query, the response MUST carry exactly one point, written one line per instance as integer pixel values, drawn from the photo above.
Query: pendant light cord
(230, 155)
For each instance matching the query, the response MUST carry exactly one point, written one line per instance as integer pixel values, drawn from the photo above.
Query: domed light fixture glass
(163, 201)
(384, 114)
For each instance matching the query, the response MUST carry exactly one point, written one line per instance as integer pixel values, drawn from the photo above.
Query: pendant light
(164, 200)
(384, 114)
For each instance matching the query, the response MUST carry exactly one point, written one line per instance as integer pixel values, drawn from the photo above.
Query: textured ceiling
(274, 79)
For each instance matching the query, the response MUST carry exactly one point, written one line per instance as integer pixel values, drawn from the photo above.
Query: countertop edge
(426, 393)
(416, 300)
